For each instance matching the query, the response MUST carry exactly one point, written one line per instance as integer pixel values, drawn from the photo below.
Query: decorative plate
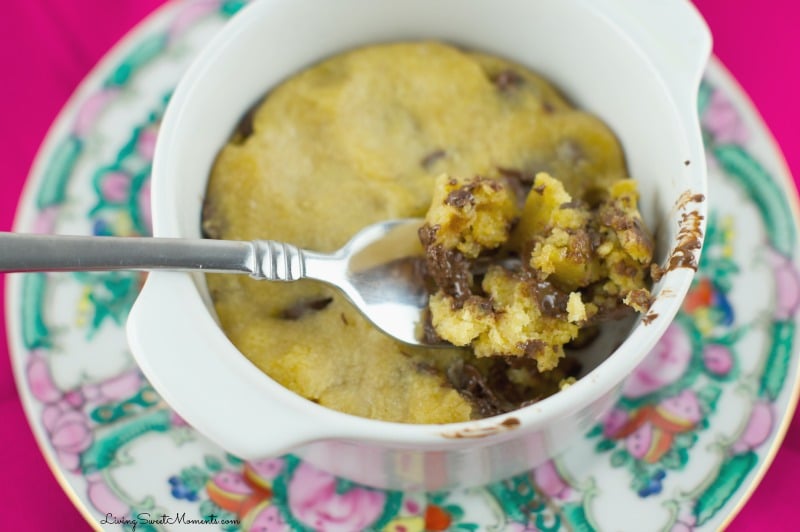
(698, 425)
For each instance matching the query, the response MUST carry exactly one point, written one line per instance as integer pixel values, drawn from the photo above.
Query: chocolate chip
(460, 198)
(594, 196)
(212, 225)
(534, 348)
(302, 308)
(429, 160)
(526, 178)
(244, 128)
(507, 80)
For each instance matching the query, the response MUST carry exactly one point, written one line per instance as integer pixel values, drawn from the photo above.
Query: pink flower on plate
(261, 473)
(665, 364)
(717, 359)
(115, 187)
(787, 279)
(265, 518)
(550, 482)
(116, 388)
(68, 428)
(516, 526)
(758, 429)
(89, 113)
(146, 145)
(614, 421)
(723, 121)
(39, 380)
(103, 497)
(314, 501)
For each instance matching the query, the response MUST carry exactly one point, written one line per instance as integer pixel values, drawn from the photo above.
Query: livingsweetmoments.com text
(145, 518)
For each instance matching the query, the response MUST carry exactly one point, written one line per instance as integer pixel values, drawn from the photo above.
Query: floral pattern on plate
(698, 420)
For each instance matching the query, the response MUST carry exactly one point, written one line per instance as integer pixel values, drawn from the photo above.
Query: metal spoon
(375, 270)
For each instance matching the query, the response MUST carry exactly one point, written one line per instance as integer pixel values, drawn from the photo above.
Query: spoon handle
(261, 259)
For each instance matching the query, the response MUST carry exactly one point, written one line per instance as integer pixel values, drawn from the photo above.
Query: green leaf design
(57, 173)
(35, 333)
(112, 295)
(231, 7)
(575, 515)
(708, 397)
(730, 476)
(605, 445)
(515, 496)
(780, 355)
(685, 440)
(597, 430)
(233, 460)
(343, 485)
(147, 50)
(732, 337)
(543, 526)
(671, 460)
(213, 463)
(721, 270)
(230, 527)
(103, 451)
(455, 511)
(765, 193)
(619, 458)
(194, 478)
(704, 96)
(394, 500)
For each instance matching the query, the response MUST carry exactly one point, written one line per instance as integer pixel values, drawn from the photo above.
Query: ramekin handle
(673, 34)
(192, 365)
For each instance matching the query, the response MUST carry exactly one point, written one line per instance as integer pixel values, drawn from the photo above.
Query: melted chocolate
(641, 298)
(651, 316)
(552, 302)
(689, 240)
(582, 245)
(449, 269)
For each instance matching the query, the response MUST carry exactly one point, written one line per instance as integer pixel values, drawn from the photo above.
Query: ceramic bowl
(635, 64)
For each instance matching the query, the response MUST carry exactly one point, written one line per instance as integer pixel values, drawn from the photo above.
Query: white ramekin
(635, 64)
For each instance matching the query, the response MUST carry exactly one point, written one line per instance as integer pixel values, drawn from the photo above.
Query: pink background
(50, 45)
